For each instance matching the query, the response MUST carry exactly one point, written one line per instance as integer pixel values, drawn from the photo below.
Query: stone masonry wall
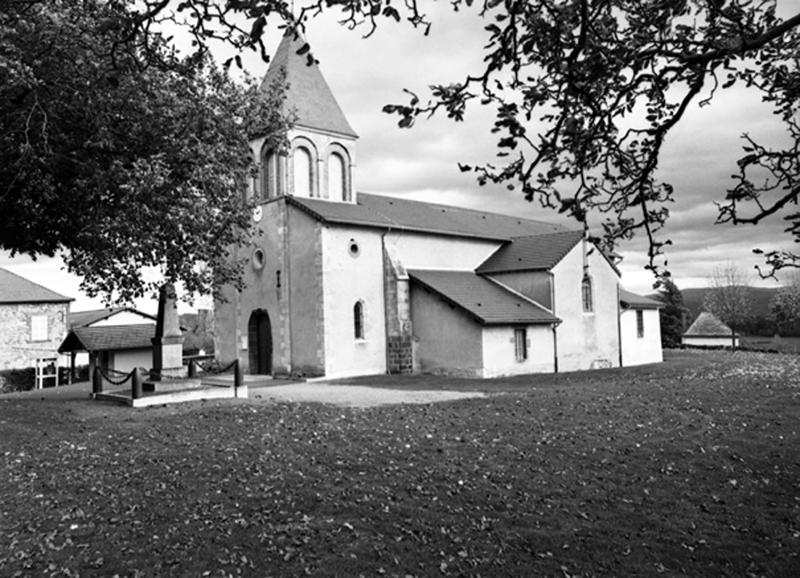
(399, 338)
(399, 352)
(17, 350)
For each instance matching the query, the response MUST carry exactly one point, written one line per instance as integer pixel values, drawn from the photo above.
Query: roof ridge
(468, 210)
(502, 306)
(564, 232)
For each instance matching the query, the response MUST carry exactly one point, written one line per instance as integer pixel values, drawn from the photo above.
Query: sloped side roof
(631, 300)
(308, 95)
(16, 289)
(486, 301)
(85, 318)
(108, 338)
(402, 214)
(531, 253)
(708, 325)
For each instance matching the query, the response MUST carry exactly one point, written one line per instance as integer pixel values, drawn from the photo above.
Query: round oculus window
(353, 248)
(259, 259)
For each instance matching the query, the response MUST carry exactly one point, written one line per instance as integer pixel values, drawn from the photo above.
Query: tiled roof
(402, 214)
(531, 253)
(308, 96)
(633, 301)
(16, 289)
(85, 318)
(108, 338)
(708, 325)
(488, 302)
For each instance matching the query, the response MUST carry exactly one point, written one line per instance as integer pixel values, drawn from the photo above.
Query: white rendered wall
(126, 360)
(721, 341)
(449, 340)
(499, 357)
(640, 350)
(346, 279)
(586, 340)
(426, 251)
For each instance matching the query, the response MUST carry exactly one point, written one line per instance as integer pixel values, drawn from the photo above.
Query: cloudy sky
(421, 163)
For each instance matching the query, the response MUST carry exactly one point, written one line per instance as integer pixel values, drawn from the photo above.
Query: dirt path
(345, 395)
(352, 395)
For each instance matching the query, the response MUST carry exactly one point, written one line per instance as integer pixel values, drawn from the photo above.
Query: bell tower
(321, 155)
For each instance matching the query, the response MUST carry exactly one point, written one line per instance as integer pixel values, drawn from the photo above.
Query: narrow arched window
(358, 320)
(302, 172)
(336, 183)
(586, 294)
(270, 186)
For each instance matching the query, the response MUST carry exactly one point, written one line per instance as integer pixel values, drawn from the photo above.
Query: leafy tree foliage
(785, 310)
(729, 298)
(117, 152)
(673, 315)
(588, 92)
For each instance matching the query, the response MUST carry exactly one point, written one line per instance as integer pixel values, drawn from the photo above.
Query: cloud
(422, 163)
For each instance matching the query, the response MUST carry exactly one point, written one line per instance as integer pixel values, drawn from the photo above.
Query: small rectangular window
(639, 323)
(521, 344)
(38, 327)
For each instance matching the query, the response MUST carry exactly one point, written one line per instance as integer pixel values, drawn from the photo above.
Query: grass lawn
(691, 467)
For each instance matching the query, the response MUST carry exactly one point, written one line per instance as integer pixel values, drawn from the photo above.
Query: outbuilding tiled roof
(308, 96)
(708, 325)
(16, 289)
(531, 253)
(109, 338)
(85, 318)
(486, 301)
(633, 301)
(402, 214)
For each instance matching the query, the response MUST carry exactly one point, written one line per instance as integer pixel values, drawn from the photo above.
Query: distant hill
(760, 300)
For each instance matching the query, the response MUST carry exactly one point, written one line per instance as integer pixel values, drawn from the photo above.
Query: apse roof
(485, 300)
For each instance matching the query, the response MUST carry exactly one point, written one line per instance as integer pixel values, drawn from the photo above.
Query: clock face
(257, 213)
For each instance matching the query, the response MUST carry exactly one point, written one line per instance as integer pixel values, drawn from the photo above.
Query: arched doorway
(259, 342)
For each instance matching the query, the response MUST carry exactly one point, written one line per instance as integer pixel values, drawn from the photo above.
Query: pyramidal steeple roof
(308, 96)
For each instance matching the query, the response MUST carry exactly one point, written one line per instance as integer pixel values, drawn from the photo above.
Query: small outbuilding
(708, 331)
(116, 339)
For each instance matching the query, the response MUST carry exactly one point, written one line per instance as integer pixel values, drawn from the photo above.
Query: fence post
(237, 374)
(136, 384)
(97, 381)
(192, 369)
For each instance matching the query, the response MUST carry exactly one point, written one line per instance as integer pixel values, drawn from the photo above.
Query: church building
(342, 283)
